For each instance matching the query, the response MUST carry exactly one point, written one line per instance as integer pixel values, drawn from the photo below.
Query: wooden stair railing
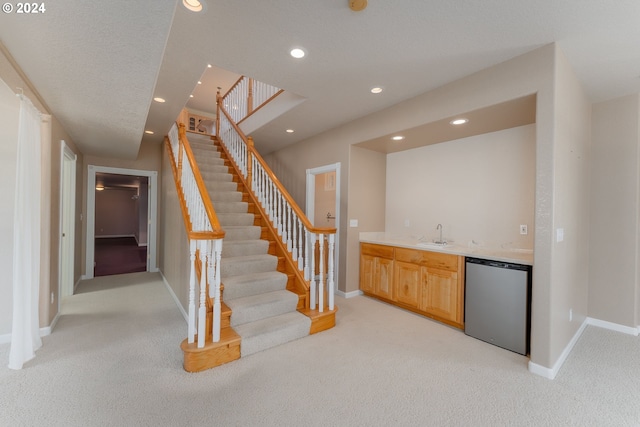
(247, 96)
(205, 238)
(302, 244)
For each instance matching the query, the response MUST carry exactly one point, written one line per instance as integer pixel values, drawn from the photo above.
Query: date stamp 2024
(24, 8)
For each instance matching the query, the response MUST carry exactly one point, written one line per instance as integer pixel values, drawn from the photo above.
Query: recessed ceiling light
(459, 121)
(192, 5)
(376, 89)
(199, 82)
(397, 138)
(190, 96)
(148, 132)
(99, 187)
(290, 130)
(209, 65)
(297, 53)
(158, 99)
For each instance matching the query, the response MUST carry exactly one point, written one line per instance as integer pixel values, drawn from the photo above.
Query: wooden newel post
(249, 161)
(218, 104)
(182, 133)
(250, 98)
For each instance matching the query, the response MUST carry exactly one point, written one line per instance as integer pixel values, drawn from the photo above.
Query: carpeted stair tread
(271, 332)
(216, 176)
(261, 306)
(222, 207)
(227, 219)
(213, 169)
(252, 284)
(234, 248)
(214, 186)
(241, 232)
(226, 196)
(236, 266)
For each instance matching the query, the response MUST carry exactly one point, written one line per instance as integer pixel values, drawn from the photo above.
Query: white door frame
(310, 207)
(66, 249)
(91, 214)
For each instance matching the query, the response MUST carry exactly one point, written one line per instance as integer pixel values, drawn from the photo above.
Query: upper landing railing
(246, 96)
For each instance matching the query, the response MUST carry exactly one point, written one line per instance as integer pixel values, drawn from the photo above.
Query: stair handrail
(204, 232)
(303, 241)
(247, 96)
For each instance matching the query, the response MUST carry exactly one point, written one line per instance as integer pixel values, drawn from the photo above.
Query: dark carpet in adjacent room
(119, 255)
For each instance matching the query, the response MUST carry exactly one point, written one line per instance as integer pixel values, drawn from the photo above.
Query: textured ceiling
(98, 64)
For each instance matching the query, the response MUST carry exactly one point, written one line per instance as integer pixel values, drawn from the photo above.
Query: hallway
(119, 255)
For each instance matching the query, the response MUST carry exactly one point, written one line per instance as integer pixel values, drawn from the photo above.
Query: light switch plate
(559, 234)
(353, 223)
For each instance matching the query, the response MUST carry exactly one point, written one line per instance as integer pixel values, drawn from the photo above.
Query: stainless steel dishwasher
(498, 303)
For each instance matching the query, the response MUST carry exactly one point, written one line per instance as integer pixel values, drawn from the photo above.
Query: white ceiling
(98, 65)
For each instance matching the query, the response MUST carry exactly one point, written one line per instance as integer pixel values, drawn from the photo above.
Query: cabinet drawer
(376, 250)
(428, 259)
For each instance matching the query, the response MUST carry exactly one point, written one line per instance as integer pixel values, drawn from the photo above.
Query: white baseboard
(349, 294)
(550, 373)
(175, 298)
(613, 326)
(114, 236)
(5, 339)
(75, 286)
(44, 331)
(48, 329)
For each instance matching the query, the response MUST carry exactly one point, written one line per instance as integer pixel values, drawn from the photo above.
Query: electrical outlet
(407, 223)
(52, 297)
(523, 229)
(570, 314)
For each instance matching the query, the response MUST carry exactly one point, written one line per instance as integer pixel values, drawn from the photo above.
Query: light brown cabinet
(376, 271)
(429, 283)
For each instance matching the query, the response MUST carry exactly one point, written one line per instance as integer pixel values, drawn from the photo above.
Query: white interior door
(323, 203)
(67, 219)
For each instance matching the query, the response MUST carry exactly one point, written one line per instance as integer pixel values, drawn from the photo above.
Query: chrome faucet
(439, 227)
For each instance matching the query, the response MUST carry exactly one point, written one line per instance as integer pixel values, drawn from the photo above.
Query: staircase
(262, 311)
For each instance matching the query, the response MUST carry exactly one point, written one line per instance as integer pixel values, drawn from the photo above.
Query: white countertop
(517, 256)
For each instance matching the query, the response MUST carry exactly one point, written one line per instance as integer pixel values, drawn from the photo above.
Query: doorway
(121, 215)
(323, 203)
(67, 219)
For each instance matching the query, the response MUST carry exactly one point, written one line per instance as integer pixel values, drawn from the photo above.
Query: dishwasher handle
(497, 264)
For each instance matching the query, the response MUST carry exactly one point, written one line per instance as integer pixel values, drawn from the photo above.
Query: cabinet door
(407, 283)
(383, 278)
(440, 294)
(367, 267)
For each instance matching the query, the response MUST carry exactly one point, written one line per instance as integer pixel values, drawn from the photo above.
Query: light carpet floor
(114, 360)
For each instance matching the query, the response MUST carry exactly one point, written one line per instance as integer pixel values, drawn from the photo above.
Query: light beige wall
(366, 204)
(173, 245)
(12, 78)
(570, 207)
(149, 159)
(532, 73)
(613, 258)
(479, 188)
(115, 213)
